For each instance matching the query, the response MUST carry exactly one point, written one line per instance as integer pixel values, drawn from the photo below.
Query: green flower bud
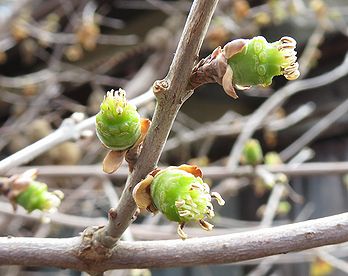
(273, 158)
(259, 61)
(180, 194)
(118, 122)
(284, 208)
(36, 197)
(252, 153)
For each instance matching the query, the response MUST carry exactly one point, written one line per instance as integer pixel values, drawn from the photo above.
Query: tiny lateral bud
(252, 153)
(112, 213)
(273, 158)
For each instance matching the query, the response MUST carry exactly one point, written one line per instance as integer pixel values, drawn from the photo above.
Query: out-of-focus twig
(213, 172)
(316, 130)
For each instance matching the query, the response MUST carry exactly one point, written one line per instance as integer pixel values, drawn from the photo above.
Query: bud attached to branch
(32, 195)
(252, 153)
(273, 158)
(36, 197)
(243, 63)
(259, 61)
(118, 122)
(120, 128)
(180, 194)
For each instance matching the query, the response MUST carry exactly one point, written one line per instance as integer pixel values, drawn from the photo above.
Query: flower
(118, 122)
(180, 194)
(256, 61)
(259, 61)
(36, 197)
(32, 195)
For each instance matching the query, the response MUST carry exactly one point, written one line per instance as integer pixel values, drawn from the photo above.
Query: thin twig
(232, 126)
(316, 130)
(272, 205)
(213, 172)
(334, 261)
(266, 264)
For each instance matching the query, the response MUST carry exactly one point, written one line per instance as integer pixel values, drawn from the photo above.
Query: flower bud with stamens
(118, 122)
(183, 197)
(259, 61)
(36, 197)
(180, 194)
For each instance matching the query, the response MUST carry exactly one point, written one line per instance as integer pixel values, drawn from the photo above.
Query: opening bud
(118, 122)
(180, 194)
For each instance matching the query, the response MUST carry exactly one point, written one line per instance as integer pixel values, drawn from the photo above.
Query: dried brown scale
(214, 68)
(208, 70)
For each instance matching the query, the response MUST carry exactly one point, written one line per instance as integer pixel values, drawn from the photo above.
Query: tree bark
(223, 249)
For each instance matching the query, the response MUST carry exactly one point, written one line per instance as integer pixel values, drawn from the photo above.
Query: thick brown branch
(210, 250)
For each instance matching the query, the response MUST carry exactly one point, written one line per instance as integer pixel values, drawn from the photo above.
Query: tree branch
(198, 251)
(171, 93)
(213, 172)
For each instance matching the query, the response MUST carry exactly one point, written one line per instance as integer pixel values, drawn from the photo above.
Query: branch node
(92, 249)
(160, 86)
(112, 214)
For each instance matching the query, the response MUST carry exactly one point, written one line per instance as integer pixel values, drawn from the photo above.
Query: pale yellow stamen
(181, 232)
(179, 203)
(184, 213)
(218, 198)
(205, 225)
